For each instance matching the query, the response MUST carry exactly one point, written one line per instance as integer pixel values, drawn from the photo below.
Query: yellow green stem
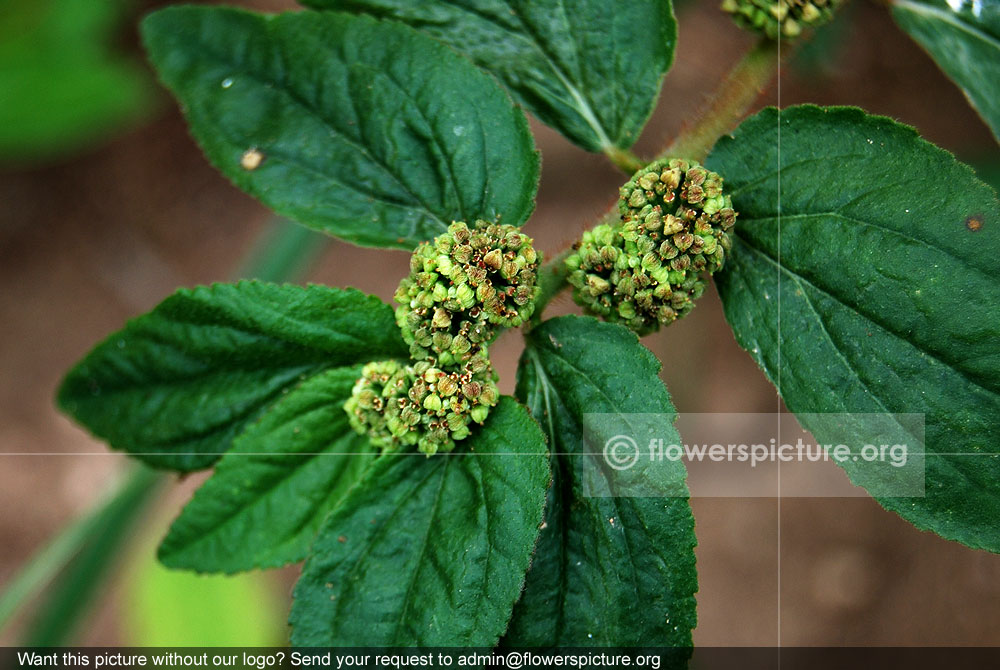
(624, 160)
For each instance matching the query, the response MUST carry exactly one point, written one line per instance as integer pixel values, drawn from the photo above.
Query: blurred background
(108, 206)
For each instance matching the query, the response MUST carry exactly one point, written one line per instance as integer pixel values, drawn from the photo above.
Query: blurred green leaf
(165, 608)
(64, 86)
(963, 38)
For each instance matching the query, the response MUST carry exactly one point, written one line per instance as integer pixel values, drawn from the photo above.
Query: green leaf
(877, 295)
(594, 581)
(589, 68)
(175, 386)
(64, 87)
(429, 551)
(368, 130)
(965, 43)
(274, 488)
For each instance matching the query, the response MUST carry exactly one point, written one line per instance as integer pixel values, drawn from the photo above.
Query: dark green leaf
(964, 42)
(429, 550)
(589, 68)
(613, 570)
(274, 488)
(367, 130)
(64, 87)
(877, 294)
(175, 386)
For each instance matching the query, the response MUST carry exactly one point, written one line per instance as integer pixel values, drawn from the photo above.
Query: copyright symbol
(621, 452)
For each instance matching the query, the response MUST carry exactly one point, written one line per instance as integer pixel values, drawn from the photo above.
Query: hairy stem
(551, 281)
(624, 160)
(730, 103)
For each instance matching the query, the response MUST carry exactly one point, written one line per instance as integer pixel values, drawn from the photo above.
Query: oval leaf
(429, 551)
(175, 386)
(964, 42)
(877, 294)
(613, 570)
(271, 491)
(363, 129)
(589, 68)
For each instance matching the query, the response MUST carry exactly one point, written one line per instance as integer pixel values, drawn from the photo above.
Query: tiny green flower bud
(444, 265)
(598, 285)
(471, 390)
(489, 395)
(493, 259)
(432, 402)
(442, 319)
(784, 19)
(441, 341)
(479, 413)
(447, 386)
(465, 296)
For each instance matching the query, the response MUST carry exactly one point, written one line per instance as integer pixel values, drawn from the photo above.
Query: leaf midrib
(207, 54)
(895, 233)
(949, 18)
(953, 464)
(581, 105)
(916, 345)
(614, 499)
(226, 519)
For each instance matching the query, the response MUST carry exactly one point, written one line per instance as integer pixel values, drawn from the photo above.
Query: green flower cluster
(462, 285)
(461, 288)
(400, 405)
(780, 18)
(648, 269)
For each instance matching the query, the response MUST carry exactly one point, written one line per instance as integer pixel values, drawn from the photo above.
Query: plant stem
(551, 281)
(45, 564)
(107, 532)
(624, 160)
(730, 103)
(552, 277)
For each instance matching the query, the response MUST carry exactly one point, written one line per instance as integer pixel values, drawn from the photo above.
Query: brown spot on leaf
(341, 538)
(974, 223)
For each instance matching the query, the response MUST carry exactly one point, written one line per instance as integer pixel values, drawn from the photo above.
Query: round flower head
(780, 18)
(648, 270)
(398, 405)
(462, 285)
(383, 384)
